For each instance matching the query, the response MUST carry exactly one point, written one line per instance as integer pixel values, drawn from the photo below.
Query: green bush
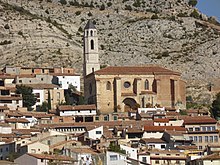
(63, 2)
(195, 14)
(192, 2)
(102, 7)
(78, 12)
(155, 16)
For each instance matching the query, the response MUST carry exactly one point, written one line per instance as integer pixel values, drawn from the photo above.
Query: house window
(190, 138)
(98, 132)
(144, 159)
(42, 160)
(195, 138)
(113, 157)
(146, 85)
(106, 118)
(216, 138)
(115, 117)
(206, 139)
(92, 44)
(197, 129)
(200, 147)
(200, 139)
(162, 146)
(211, 139)
(6, 149)
(91, 33)
(42, 79)
(177, 162)
(190, 129)
(108, 86)
(97, 118)
(157, 162)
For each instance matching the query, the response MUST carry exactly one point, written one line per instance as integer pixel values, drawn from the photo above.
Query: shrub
(109, 4)
(195, 14)
(20, 33)
(5, 42)
(102, 7)
(78, 12)
(90, 14)
(63, 2)
(155, 16)
(128, 7)
(182, 15)
(6, 26)
(137, 3)
(192, 2)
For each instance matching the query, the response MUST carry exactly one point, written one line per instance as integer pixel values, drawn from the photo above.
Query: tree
(44, 107)
(192, 2)
(216, 107)
(63, 2)
(49, 100)
(195, 14)
(28, 97)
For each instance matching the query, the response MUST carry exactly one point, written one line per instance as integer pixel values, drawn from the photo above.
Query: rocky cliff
(170, 33)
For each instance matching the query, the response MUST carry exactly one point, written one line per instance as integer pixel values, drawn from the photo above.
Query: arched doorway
(130, 104)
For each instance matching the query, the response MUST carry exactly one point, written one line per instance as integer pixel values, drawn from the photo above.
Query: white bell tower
(90, 52)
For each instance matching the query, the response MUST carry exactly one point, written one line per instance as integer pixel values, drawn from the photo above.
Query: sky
(209, 7)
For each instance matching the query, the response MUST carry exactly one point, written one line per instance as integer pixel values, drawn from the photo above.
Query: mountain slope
(170, 33)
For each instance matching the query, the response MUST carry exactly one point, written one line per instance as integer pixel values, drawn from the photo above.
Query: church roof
(126, 70)
(90, 25)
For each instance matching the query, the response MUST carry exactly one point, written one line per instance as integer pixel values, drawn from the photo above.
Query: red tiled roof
(165, 120)
(17, 120)
(163, 128)
(51, 157)
(199, 120)
(124, 70)
(76, 107)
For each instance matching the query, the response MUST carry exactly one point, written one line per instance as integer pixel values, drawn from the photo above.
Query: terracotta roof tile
(163, 120)
(16, 120)
(124, 70)
(199, 120)
(163, 128)
(51, 157)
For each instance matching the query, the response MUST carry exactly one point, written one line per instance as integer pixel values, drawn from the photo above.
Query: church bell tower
(90, 52)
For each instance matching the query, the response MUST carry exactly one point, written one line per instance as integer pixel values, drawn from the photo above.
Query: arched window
(87, 33)
(91, 33)
(146, 85)
(108, 86)
(92, 44)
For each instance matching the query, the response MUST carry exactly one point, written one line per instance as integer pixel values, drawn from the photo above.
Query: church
(125, 88)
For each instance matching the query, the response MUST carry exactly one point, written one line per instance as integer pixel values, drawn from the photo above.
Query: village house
(81, 113)
(42, 159)
(202, 130)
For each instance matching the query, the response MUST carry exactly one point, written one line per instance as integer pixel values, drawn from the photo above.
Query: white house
(5, 128)
(34, 147)
(130, 152)
(114, 158)
(65, 80)
(78, 110)
(95, 133)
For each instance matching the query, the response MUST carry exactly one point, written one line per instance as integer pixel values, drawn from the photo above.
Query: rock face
(169, 33)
